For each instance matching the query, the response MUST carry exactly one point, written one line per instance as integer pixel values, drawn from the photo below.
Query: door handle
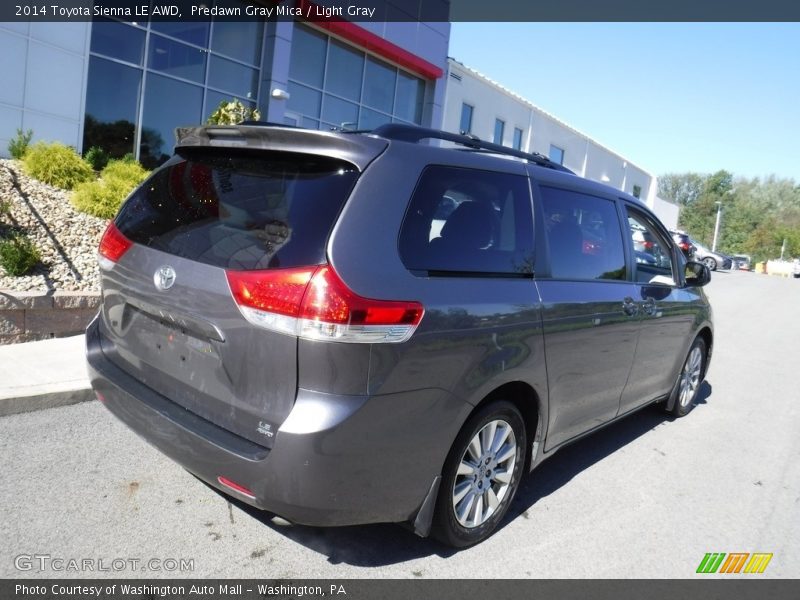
(629, 307)
(649, 306)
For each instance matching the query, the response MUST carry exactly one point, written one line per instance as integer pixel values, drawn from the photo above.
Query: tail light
(314, 303)
(112, 246)
(236, 487)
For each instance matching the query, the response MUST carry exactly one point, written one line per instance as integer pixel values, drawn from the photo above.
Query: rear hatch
(169, 316)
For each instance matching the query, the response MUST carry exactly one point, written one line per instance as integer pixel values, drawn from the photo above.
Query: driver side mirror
(697, 274)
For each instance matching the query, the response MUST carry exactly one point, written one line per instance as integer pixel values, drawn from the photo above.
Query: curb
(36, 402)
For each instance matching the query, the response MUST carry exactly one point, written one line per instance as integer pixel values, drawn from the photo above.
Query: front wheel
(690, 378)
(481, 476)
(710, 263)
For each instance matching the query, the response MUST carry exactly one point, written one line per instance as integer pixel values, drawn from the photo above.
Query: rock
(66, 238)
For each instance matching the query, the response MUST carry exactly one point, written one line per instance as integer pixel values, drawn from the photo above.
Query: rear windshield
(240, 211)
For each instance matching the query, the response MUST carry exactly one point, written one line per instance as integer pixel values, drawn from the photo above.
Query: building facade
(126, 85)
(478, 105)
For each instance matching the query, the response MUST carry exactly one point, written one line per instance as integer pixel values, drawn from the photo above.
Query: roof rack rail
(414, 134)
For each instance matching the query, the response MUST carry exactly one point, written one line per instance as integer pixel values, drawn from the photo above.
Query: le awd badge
(264, 429)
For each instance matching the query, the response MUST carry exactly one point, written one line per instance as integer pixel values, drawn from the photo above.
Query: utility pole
(716, 227)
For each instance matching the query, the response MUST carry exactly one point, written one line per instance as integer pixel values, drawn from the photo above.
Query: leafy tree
(757, 214)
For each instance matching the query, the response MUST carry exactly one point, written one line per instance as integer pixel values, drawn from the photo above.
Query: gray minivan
(386, 326)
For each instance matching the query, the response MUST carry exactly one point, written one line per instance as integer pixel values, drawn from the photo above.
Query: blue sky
(671, 97)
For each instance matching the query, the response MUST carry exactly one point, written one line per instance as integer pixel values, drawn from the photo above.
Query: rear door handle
(649, 306)
(629, 307)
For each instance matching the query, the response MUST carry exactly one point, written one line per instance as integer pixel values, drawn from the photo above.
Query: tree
(757, 214)
(680, 189)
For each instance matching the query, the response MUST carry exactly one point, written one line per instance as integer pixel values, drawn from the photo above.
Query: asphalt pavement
(646, 497)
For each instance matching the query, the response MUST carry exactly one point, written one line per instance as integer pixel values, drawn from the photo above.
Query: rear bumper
(336, 460)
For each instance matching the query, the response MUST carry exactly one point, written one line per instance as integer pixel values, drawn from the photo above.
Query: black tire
(710, 263)
(690, 379)
(448, 527)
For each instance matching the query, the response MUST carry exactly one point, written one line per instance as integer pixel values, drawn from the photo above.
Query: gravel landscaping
(66, 239)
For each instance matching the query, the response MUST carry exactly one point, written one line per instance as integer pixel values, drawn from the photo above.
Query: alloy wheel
(485, 473)
(690, 376)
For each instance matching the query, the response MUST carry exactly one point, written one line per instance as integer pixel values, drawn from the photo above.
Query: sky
(670, 97)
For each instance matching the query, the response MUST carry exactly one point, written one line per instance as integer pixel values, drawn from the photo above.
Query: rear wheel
(710, 263)
(690, 378)
(481, 476)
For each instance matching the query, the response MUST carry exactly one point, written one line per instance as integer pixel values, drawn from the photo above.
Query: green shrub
(129, 157)
(56, 164)
(103, 197)
(97, 157)
(18, 255)
(126, 170)
(19, 144)
(5, 207)
(233, 112)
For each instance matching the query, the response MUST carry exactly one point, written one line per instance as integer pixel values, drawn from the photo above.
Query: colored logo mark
(736, 562)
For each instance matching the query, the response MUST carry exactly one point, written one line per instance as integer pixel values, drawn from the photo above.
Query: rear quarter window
(468, 222)
(240, 210)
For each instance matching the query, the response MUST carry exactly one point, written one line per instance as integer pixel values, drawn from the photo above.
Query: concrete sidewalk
(38, 375)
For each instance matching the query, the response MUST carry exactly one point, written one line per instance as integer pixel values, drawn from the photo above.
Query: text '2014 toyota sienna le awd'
(346, 328)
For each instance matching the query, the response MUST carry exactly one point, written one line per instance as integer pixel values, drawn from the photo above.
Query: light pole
(716, 227)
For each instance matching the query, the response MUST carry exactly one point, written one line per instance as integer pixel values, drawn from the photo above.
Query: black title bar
(406, 10)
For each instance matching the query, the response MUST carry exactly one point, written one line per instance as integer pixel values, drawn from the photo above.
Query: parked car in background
(337, 361)
(796, 268)
(713, 260)
(744, 262)
(683, 242)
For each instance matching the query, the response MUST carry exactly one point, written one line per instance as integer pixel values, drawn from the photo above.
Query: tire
(477, 474)
(710, 263)
(689, 379)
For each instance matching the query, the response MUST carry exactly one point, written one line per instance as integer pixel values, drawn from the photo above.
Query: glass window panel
(556, 154)
(307, 63)
(379, 84)
(213, 100)
(499, 129)
(651, 252)
(466, 118)
(370, 119)
(340, 113)
(118, 40)
(517, 138)
(304, 100)
(309, 123)
(240, 39)
(410, 96)
(345, 68)
(583, 235)
(233, 77)
(463, 220)
(177, 59)
(194, 32)
(160, 118)
(112, 98)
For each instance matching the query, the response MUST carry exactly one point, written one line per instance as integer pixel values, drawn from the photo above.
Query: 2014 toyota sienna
(394, 325)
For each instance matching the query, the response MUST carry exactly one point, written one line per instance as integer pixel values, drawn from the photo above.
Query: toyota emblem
(164, 277)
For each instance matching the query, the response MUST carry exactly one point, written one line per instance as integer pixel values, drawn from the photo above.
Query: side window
(583, 235)
(464, 221)
(651, 251)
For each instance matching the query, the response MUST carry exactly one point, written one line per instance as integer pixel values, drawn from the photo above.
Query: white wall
(666, 211)
(44, 81)
(583, 155)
